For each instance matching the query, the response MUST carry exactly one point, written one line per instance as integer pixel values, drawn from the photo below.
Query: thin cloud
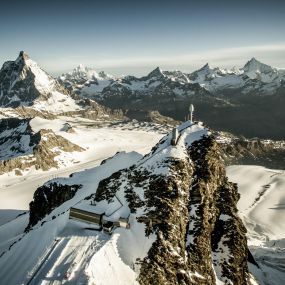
(236, 56)
(195, 57)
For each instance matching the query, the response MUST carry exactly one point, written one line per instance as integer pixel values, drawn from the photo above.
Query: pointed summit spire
(206, 66)
(22, 58)
(23, 55)
(254, 65)
(81, 67)
(157, 72)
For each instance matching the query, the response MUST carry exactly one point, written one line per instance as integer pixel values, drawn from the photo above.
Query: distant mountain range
(246, 101)
(254, 77)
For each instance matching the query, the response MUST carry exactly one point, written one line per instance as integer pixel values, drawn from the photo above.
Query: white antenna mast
(191, 110)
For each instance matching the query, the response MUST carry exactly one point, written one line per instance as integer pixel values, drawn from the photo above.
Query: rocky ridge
(21, 148)
(255, 151)
(190, 206)
(180, 195)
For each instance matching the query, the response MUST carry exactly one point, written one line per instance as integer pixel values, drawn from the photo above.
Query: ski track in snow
(69, 260)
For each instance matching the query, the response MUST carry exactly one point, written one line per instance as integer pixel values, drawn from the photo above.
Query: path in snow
(69, 260)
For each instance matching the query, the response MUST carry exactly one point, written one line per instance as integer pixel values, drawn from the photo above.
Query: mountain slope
(21, 148)
(262, 210)
(23, 82)
(181, 209)
(28, 91)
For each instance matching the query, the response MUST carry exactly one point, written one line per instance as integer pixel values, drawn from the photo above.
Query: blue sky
(133, 37)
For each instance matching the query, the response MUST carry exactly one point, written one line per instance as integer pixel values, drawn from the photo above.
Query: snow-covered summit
(157, 73)
(255, 69)
(86, 79)
(255, 65)
(80, 74)
(208, 73)
(24, 83)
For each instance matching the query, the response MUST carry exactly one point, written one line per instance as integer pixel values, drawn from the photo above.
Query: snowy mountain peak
(81, 67)
(205, 67)
(83, 75)
(23, 56)
(255, 69)
(157, 72)
(256, 65)
(105, 75)
(84, 71)
(24, 83)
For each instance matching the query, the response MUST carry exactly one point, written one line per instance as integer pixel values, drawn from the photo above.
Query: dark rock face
(192, 211)
(22, 82)
(215, 228)
(166, 262)
(16, 138)
(270, 154)
(47, 198)
(21, 148)
(150, 116)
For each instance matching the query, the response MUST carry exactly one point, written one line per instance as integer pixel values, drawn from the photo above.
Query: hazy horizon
(134, 38)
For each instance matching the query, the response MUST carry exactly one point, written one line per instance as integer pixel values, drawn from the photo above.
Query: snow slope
(32, 249)
(99, 143)
(262, 207)
(68, 251)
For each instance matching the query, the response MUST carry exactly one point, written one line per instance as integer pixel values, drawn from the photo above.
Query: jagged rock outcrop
(22, 82)
(215, 229)
(182, 197)
(47, 198)
(183, 224)
(150, 116)
(21, 148)
(268, 153)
